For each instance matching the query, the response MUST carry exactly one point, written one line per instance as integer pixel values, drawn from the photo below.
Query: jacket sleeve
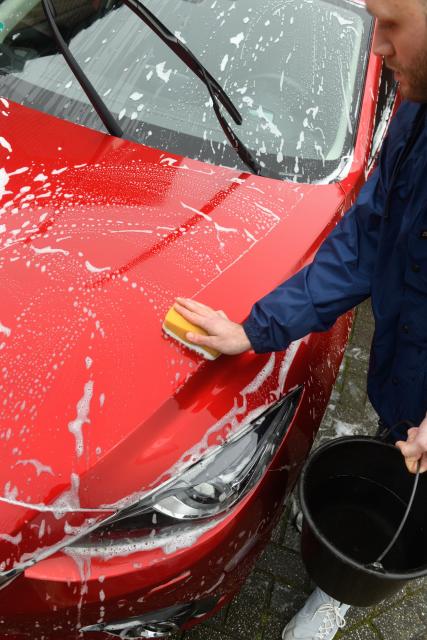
(338, 278)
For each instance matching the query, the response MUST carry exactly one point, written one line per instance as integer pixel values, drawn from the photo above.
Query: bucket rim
(388, 575)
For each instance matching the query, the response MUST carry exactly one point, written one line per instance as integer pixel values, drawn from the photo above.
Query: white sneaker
(319, 619)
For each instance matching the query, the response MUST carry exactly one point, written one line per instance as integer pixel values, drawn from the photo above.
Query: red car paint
(97, 237)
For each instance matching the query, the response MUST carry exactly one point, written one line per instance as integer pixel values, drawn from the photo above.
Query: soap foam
(194, 347)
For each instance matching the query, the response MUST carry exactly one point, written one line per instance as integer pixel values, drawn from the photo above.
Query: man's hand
(415, 448)
(223, 335)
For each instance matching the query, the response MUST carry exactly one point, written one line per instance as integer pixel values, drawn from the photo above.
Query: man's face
(401, 39)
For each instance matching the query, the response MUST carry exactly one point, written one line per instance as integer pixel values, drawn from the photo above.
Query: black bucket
(353, 493)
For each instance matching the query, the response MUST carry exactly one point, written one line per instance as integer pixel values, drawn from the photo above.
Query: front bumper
(63, 594)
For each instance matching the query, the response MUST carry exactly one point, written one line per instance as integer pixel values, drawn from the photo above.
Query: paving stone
(418, 583)
(365, 632)
(279, 530)
(205, 633)
(354, 395)
(292, 539)
(218, 621)
(420, 601)
(286, 600)
(401, 622)
(245, 619)
(362, 327)
(273, 627)
(359, 615)
(257, 588)
(246, 613)
(284, 564)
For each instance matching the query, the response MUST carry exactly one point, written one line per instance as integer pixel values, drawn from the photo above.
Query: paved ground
(279, 584)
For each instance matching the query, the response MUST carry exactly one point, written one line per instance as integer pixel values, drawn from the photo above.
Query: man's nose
(382, 46)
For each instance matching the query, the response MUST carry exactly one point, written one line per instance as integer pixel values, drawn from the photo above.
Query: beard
(413, 80)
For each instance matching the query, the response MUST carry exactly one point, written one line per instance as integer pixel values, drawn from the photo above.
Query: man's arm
(338, 278)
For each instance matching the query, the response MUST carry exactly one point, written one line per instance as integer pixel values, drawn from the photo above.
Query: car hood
(97, 237)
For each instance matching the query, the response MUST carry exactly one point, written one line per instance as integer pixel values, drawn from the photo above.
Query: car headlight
(210, 487)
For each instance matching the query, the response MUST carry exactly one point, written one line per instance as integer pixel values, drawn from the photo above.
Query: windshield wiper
(184, 53)
(216, 92)
(94, 97)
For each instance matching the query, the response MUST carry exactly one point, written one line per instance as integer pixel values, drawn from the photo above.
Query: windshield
(294, 68)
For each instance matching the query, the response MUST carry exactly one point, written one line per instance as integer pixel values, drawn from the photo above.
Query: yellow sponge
(177, 327)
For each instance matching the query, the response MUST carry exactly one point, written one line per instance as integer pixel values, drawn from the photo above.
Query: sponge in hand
(176, 326)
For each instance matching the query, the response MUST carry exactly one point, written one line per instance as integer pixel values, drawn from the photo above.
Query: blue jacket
(378, 249)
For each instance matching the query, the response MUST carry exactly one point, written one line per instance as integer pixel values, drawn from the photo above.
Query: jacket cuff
(258, 338)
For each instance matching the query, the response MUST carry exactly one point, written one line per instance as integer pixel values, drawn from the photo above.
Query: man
(379, 249)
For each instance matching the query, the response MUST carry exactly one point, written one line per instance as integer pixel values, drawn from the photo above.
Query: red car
(139, 482)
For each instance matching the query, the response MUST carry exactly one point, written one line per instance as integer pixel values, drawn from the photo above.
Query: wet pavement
(279, 584)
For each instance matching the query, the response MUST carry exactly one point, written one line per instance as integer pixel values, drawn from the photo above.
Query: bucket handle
(377, 564)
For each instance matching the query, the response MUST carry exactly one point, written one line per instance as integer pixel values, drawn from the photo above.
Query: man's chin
(405, 91)
(411, 93)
